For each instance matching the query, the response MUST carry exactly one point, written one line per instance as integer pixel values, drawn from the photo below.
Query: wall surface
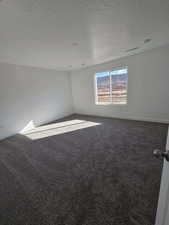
(40, 96)
(148, 88)
(31, 95)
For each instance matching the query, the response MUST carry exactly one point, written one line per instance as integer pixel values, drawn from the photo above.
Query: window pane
(119, 86)
(103, 87)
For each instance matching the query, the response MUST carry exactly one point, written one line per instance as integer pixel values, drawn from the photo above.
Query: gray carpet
(98, 175)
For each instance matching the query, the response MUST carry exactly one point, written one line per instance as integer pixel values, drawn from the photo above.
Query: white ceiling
(60, 33)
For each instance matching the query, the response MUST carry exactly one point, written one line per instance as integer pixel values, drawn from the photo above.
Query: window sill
(111, 104)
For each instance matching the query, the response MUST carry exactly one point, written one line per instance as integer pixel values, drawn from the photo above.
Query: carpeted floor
(99, 172)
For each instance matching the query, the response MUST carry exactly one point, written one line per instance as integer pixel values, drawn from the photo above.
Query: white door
(162, 217)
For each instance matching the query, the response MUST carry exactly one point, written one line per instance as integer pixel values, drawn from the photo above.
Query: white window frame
(95, 87)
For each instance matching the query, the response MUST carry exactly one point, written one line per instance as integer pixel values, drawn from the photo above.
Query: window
(111, 87)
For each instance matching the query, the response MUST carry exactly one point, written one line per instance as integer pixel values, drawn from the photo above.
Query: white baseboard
(146, 119)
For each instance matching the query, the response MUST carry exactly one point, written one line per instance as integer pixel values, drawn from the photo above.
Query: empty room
(84, 112)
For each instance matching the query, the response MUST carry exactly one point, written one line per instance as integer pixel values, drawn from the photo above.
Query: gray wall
(31, 94)
(148, 87)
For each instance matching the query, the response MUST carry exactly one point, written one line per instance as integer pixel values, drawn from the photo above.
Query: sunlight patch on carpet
(58, 128)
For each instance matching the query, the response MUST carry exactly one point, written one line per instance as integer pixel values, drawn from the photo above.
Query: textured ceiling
(70, 34)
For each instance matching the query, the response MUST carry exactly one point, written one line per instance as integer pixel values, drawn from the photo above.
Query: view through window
(111, 87)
